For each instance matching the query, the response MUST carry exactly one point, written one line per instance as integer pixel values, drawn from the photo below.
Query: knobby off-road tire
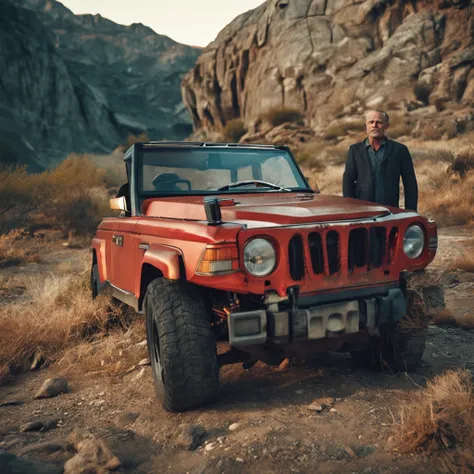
(96, 287)
(399, 348)
(181, 345)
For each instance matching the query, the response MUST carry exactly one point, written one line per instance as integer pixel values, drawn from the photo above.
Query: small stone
(49, 447)
(220, 464)
(50, 425)
(32, 426)
(315, 407)
(125, 419)
(145, 361)
(52, 388)
(139, 375)
(209, 447)
(234, 426)
(142, 344)
(333, 410)
(11, 403)
(189, 436)
(350, 452)
(359, 437)
(239, 460)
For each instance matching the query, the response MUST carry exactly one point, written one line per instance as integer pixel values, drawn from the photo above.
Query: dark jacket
(358, 180)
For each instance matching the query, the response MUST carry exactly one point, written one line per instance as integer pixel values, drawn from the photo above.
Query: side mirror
(119, 204)
(312, 184)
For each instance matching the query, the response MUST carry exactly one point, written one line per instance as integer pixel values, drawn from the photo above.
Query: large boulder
(321, 56)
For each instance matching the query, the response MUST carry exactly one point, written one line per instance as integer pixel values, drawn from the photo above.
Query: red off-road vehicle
(225, 242)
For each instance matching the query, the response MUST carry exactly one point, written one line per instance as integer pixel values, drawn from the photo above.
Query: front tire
(181, 345)
(96, 287)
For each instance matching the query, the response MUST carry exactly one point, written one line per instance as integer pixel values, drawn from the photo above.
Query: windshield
(168, 171)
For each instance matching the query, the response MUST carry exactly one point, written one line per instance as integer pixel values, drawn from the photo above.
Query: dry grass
(439, 421)
(58, 312)
(466, 261)
(281, 115)
(17, 248)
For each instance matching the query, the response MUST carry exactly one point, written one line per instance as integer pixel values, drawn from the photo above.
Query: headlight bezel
(266, 241)
(418, 228)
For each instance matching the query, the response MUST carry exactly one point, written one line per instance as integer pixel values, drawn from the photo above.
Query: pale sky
(191, 22)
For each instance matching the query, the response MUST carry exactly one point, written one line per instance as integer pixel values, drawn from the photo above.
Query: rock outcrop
(81, 83)
(325, 57)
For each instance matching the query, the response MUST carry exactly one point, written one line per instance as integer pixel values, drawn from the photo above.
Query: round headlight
(414, 241)
(259, 257)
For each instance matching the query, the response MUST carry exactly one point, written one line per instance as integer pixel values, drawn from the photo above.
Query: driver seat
(166, 182)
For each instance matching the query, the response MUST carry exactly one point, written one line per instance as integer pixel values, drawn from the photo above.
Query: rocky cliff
(81, 83)
(329, 57)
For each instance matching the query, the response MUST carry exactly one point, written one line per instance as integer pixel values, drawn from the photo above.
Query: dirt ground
(276, 431)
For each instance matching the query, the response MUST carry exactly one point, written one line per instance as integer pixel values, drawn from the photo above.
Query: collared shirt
(376, 158)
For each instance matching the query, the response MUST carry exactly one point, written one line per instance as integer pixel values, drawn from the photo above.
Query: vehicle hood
(259, 210)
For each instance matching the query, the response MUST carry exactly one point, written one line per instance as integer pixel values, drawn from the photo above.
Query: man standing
(374, 167)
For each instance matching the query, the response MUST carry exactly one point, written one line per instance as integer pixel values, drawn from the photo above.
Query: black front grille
(296, 257)
(316, 251)
(366, 248)
(332, 247)
(358, 247)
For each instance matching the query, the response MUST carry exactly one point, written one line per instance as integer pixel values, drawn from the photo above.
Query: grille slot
(332, 247)
(296, 258)
(378, 238)
(316, 251)
(358, 247)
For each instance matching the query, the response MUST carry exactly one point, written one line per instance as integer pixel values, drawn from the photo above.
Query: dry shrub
(466, 261)
(439, 421)
(234, 130)
(132, 139)
(281, 115)
(422, 92)
(431, 132)
(16, 247)
(400, 129)
(115, 354)
(340, 129)
(462, 163)
(18, 195)
(329, 180)
(59, 312)
(449, 201)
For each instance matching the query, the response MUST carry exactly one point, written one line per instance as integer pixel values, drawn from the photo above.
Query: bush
(281, 115)
(439, 421)
(234, 130)
(69, 196)
(422, 92)
(462, 163)
(18, 191)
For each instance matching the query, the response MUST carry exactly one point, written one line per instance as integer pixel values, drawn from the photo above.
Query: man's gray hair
(382, 112)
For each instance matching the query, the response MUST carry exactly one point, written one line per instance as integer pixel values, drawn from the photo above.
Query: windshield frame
(142, 195)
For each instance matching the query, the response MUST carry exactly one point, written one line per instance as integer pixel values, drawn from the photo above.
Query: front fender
(165, 259)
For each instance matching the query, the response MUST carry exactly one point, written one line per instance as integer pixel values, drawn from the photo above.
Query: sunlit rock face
(325, 56)
(82, 83)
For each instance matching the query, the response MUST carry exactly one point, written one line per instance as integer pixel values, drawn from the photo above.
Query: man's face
(376, 125)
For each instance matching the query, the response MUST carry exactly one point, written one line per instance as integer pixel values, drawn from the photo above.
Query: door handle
(117, 240)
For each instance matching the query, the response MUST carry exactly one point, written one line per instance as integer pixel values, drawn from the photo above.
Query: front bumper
(317, 322)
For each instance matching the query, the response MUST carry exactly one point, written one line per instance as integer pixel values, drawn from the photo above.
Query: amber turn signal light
(218, 259)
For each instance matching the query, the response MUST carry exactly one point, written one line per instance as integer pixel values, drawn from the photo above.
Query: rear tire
(181, 345)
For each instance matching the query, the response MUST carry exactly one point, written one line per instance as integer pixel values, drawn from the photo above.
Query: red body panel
(174, 228)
